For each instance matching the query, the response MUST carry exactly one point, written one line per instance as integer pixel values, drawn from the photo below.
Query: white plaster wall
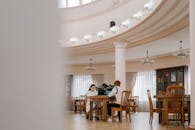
(109, 71)
(30, 69)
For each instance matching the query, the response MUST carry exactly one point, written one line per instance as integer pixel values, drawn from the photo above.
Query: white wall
(134, 66)
(30, 79)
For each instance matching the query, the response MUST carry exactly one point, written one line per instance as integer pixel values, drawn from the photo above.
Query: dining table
(165, 98)
(102, 99)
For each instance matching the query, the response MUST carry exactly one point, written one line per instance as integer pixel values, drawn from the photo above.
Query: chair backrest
(125, 97)
(150, 100)
(175, 90)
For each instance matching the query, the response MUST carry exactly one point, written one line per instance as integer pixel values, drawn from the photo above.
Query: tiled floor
(76, 121)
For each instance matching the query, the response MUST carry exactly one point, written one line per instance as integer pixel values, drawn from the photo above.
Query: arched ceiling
(168, 18)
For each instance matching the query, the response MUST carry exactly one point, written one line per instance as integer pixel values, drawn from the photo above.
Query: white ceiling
(160, 33)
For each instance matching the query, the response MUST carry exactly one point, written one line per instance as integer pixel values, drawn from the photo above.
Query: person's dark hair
(117, 83)
(91, 86)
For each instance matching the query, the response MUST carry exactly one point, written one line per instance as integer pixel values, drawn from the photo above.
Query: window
(81, 84)
(72, 3)
(144, 80)
(86, 1)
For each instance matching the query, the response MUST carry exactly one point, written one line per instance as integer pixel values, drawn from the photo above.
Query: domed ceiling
(168, 17)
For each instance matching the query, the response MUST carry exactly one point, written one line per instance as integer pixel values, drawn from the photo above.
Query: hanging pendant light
(147, 61)
(181, 54)
(90, 67)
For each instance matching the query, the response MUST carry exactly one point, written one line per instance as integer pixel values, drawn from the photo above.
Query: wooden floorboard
(139, 121)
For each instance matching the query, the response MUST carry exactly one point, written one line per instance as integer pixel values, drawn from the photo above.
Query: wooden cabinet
(169, 76)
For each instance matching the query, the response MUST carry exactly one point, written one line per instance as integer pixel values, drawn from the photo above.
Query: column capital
(120, 44)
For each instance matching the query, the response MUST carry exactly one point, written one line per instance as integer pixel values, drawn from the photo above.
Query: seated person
(114, 93)
(91, 92)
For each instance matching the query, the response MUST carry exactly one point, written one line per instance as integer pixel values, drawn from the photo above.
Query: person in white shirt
(91, 92)
(116, 94)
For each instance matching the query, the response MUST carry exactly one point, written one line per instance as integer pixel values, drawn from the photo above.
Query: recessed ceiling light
(113, 29)
(73, 40)
(87, 37)
(126, 23)
(138, 15)
(101, 34)
(149, 5)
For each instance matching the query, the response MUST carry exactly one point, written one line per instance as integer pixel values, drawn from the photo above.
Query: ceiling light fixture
(73, 40)
(147, 61)
(126, 23)
(113, 29)
(149, 6)
(87, 37)
(90, 67)
(101, 34)
(138, 15)
(181, 54)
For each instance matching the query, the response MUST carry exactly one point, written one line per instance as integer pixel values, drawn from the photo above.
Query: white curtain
(144, 80)
(81, 84)
(130, 80)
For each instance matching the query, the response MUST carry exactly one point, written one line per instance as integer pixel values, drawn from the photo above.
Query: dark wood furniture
(100, 99)
(169, 76)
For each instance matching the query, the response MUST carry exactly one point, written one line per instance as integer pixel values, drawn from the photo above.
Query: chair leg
(112, 113)
(177, 119)
(120, 116)
(129, 116)
(162, 118)
(167, 118)
(151, 118)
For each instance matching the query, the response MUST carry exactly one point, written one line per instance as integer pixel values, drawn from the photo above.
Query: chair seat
(157, 110)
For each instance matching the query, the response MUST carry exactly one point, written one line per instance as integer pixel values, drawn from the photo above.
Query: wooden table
(100, 98)
(79, 104)
(165, 98)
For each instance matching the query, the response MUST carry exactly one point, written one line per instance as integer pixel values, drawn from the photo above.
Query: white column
(120, 64)
(192, 61)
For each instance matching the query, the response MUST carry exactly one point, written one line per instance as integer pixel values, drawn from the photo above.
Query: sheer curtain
(81, 84)
(130, 80)
(144, 80)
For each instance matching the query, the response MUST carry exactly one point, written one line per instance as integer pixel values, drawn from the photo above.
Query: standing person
(116, 93)
(91, 92)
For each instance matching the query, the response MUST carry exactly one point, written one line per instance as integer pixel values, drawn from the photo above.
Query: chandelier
(147, 61)
(90, 67)
(181, 54)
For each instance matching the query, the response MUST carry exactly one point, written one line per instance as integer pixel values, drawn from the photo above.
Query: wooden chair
(175, 103)
(128, 110)
(82, 103)
(134, 103)
(187, 109)
(152, 109)
(123, 106)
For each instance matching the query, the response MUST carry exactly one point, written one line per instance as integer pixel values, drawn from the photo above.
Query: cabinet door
(166, 79)
(173, 77)
(159, 82)
(180, 76)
